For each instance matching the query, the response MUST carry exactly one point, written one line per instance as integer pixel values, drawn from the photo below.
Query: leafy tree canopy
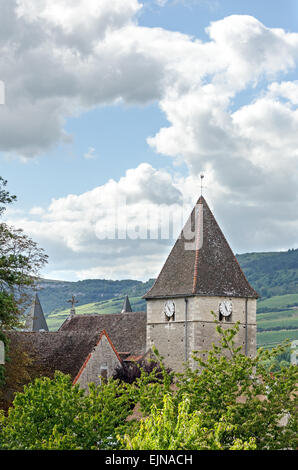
(54, 414)
(20, 262)
(228, 401)
(172, 428)
(5, 197)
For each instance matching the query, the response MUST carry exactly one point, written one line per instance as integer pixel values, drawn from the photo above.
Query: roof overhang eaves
(153, 297)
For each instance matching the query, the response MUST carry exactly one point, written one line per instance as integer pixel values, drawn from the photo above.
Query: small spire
(126, 307)
(36, 320)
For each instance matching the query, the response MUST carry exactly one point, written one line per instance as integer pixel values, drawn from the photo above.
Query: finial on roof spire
(202, 177)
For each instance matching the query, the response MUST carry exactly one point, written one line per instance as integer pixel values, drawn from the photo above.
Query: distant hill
(274, 275)
(54, 294)
(54, 320)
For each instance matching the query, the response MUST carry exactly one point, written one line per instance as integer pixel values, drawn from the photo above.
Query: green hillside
(269, 339)
(272, 273)
(276, 326)
(55, 320)
(54, 294)
(272, 327)
(280, 302)
(285, 320)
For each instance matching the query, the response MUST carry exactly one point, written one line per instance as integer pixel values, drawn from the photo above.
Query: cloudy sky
(113, 109)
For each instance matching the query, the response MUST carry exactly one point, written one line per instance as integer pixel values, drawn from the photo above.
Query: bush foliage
(226, 400)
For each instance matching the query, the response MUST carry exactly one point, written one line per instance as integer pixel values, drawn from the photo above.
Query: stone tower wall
(175, 339)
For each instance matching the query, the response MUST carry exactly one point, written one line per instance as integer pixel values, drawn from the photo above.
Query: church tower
(200, 275)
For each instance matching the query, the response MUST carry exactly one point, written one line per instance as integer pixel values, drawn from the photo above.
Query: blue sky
(118, 133)
(192, 17)
(93, 139)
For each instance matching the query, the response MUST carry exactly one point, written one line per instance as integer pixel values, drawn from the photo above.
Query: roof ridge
(198, 240)
(232, 253)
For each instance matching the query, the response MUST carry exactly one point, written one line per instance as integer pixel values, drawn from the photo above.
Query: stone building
(200, 275)
(83, 347)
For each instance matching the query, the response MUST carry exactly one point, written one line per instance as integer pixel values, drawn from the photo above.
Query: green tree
(152, 384)
(54, 414)
(228, 401)
(172, 428)
(226, 387)
(20, 262)
(243, 390)
(5, 196)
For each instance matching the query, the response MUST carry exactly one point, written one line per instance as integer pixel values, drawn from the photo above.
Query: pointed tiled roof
(126, 307)
(201, 262)
(36, 320)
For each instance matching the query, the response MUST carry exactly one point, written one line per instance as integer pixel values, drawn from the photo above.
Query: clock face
(225, 308)
(169, 308)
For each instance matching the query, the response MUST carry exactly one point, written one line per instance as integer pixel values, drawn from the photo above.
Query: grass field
(55, 320)
(278, 302)
(275, 327)
(273, 338)
(287, 319)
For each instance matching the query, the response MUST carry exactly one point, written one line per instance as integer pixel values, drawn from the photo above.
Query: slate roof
(52, 351)
(35, 320)
(211, 269)
(126, 330)
(67, 349)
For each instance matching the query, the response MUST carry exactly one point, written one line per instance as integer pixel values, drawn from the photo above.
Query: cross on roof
(73, 301)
